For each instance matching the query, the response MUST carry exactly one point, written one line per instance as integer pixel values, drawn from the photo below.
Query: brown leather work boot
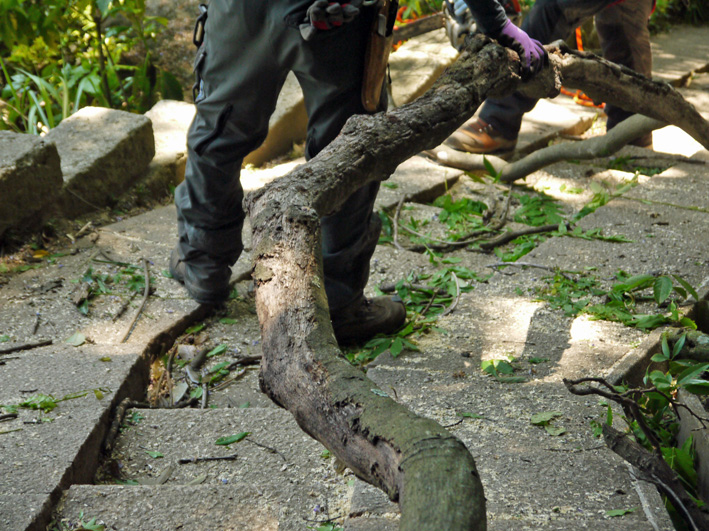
(478, 136)
(361, 321)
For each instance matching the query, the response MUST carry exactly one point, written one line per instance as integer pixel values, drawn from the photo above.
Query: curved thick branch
(413, 459)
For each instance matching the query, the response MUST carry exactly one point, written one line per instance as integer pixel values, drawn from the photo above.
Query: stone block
(45, 452)
(30, 178)
(103, 152)
(171, 120)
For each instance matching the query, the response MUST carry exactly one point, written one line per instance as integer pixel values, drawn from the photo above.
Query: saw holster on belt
(377, 55)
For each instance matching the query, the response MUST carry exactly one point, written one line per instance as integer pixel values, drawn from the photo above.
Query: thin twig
(503, 219)
(146, 294)
(457, 297)
(186, 460)
(272, 450)
(246, 360)
(205, 395)
(83, 229)
(444, 244)
(528, 264)
(227, 383)
(82, 199)
(511, 235)
(125, 304)
(396, 224)
(454, 424)
(8, 416)
(26, 346)
(574, 450)
(390, 288)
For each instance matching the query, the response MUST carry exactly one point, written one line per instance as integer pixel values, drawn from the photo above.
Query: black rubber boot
(211, 290)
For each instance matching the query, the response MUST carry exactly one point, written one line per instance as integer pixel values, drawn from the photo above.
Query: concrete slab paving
(679, 51)
(188, 508)
(279, 472)
(46, 452)
(533, 480)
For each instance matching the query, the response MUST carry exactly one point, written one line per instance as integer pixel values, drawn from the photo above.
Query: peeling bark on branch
(413, 459)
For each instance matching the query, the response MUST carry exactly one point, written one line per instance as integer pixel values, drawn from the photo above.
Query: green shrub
(61, 55)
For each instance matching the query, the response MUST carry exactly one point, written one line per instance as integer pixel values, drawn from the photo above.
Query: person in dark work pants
(249, 48)
(622, 27)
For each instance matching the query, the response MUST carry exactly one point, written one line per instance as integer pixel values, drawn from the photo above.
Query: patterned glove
(530, 51)
(323, 15)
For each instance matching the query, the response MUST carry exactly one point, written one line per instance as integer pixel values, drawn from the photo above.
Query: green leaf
(511, 379)
(662, 288)
(76, 340)
(666, 347)
(679, 345)
(154, 454)
(326, 454)
(4, 339)
(221, 349)
(659, 357)
(495, 367)
(688, 323)
(490, 168)
(379, 392)
(542, 419)
(44, 402)
(245, 405)
(687, 286)
(691, 372)
(555, 431)
(227, 321)
(194, 329)
(103, 6)
(196, 392)
(231, 439)
(538, 360)
(396, 347)
(619, 512)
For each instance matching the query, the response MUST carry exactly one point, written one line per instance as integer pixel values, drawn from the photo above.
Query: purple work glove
(530, 51)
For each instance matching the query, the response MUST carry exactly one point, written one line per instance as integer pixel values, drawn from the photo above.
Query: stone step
(279, 479)
(44, 453)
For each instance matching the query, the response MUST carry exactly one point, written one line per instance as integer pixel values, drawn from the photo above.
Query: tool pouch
(377, 54)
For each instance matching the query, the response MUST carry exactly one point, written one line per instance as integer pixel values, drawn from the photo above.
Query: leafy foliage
(61, 55)
(424, 305)
(574, 296)
(668, 12)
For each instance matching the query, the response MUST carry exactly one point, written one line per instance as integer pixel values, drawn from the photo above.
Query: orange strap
(578, 96)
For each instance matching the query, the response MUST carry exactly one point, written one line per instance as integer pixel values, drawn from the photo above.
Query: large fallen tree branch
(413, 459)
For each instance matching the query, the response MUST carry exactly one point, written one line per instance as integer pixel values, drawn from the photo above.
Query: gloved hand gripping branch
(323, 15)
(530, 51)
